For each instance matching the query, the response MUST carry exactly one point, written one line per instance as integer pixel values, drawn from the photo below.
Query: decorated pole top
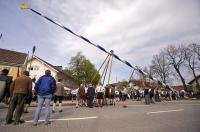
(24, 6)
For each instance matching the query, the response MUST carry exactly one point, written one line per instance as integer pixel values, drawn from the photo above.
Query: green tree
(82, 70)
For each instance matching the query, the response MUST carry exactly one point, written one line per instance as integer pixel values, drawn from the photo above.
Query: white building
(38, 66)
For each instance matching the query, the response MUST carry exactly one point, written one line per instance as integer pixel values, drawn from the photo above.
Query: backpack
(2, 89)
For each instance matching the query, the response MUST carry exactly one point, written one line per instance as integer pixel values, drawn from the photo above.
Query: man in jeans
(44, 88)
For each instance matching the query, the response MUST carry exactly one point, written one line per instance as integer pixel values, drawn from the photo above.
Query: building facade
(37, 67)
(17, 62)
(14, 61)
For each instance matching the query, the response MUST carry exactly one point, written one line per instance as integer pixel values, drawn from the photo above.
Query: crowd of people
(19, 93)
(108, 95)
(152, 95)
(95, 96)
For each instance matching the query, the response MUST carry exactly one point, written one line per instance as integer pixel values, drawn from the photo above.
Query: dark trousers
(147, 99)
(90, 101)
(157, 98)
(17, 105)
(59, 98)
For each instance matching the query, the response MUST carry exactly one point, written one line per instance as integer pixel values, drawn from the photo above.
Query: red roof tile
(12, 57)
(178, 88)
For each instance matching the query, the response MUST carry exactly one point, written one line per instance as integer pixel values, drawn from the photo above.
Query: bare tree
(176, 58)
(160, 67)
(192, 63)
(196, 49)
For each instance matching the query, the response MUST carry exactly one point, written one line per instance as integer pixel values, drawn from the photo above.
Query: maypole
(25, 6)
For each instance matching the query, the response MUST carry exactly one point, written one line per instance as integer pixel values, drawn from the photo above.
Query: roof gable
(178, 87)
(12, 57)
(50, 65)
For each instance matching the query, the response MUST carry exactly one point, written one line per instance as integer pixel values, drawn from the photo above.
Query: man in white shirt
(100, 94)
(124, 96)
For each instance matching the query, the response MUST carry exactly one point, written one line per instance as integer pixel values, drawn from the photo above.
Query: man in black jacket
(90, 96)
(4, 78)
(146, 96)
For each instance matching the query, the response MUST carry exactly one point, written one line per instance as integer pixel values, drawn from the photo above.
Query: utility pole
(1, 36)
(33, 51)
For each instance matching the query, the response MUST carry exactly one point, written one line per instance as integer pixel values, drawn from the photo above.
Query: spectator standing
(107, 94)
(151, 94)
(81, 97)
(124, 96)
(157, 96)
(5, 82)
(58, 95)
(138, 95)
(146, 96)
(74, 95)
(120, 95)
(112, 95)
(100, 94)
(90, 96)
(44, 87)
(29, 99)
(20, 89)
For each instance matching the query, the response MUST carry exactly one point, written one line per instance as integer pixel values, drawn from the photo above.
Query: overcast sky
(134, 29)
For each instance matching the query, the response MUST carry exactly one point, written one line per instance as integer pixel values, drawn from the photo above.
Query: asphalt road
(173, 116)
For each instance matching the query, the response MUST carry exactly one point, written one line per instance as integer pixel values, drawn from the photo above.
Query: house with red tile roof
(37, 66)
(178, 88)
(14, 61)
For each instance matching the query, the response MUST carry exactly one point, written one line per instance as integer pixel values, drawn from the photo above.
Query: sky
(135, 29)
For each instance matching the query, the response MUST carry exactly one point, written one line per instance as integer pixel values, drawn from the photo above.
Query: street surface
(171, 116)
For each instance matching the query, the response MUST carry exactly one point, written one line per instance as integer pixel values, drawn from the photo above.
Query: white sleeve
(103, 89)
(96, 89)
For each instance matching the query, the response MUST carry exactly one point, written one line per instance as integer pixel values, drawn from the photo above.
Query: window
(30, 68)
(35, 68)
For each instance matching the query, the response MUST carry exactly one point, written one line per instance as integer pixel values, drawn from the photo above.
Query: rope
(111, 60)
(100, 68)
(131, 75)
(105, 71)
